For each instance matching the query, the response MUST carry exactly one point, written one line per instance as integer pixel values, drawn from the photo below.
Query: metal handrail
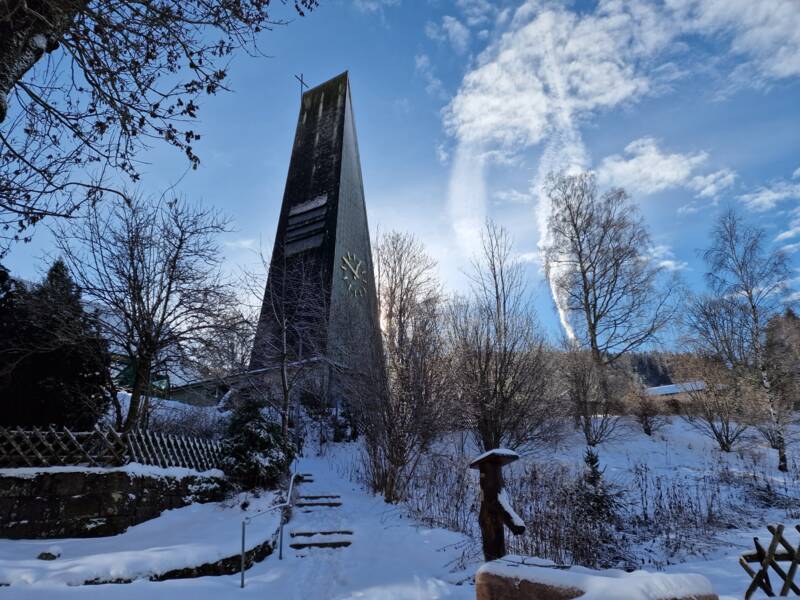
(247, 520)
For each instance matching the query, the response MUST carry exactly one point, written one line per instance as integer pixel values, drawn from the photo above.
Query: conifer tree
(256, 454)
(54, 363)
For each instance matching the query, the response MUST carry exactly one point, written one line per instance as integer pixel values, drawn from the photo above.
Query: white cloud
(614, 54)
(711, 185)
(442, 154)
(467, 198)
(512, 197)
(646, 169)
(452, 31)
(551, 68)
(768, 196)
(663, 256)
(476, 12)
(794, 227)
(796, 174)
(243, 244)
(374, 6)
(433, 85)
(763, 37)
(457, 33)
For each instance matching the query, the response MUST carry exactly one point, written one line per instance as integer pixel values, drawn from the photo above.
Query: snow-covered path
(391, 558)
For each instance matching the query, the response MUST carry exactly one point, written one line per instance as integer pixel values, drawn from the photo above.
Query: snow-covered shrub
(444, 493)
(571, 518)
(255, 452)
(184, 419)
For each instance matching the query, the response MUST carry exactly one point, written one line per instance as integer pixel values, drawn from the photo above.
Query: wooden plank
(122, 444)
(185, 456)
(9, 437)
(788, 578)
(115, 459)
(80, 448)
(23, 437)
(197, 448)
(136, 440)
(168, 451)
(198, 451)
(43, 439)
(66, 457)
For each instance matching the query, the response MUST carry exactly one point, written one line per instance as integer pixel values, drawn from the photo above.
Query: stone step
(313, 533)
(321, 497)
(320, 504)
(321, 544)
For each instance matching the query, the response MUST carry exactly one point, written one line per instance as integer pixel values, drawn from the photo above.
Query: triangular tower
(320, 302)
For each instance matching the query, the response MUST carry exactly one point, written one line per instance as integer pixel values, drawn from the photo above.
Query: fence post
(244, 524)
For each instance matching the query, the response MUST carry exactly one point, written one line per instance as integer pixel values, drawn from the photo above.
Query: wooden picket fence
(778, 551)
(50, 447)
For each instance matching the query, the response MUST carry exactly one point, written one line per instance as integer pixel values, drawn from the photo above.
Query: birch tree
(748, 286)
(611, 295)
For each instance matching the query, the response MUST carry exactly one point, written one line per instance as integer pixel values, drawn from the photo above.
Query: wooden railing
(49, 447)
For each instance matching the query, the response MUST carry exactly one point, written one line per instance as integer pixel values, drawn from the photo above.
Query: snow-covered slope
(391, 557)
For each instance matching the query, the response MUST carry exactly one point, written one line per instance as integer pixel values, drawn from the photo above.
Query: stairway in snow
(319, 523)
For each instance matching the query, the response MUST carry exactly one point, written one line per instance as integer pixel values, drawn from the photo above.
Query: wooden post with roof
(496, 511)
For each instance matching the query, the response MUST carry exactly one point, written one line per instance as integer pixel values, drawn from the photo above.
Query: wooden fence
(778, 551)
(40, 447)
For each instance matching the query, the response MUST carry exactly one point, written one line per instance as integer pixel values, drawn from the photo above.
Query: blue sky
(463, 106)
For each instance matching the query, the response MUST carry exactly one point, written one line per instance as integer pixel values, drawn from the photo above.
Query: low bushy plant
(256, 454)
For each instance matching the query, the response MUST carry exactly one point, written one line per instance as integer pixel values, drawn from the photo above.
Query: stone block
(80, 506)
(93, 504)
(14, 487)
(525, 578)
(489, 586)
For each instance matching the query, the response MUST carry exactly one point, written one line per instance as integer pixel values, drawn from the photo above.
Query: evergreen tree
(596, 540)
(54, 364)
(256, 454)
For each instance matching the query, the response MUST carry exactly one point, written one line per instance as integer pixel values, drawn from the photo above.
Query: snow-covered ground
(193, 535)
(392, 557)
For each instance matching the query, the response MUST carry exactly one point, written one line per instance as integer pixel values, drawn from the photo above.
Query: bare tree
(86, 84)
(152, 268)
(647, 411)
(402, 407)
(290, 339)
(748, 284)
(783, 356)
(500, 355)
(596, 394)
(604, 284)
(720, 401)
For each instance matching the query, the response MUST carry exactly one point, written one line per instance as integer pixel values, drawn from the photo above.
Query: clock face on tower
(354, 273)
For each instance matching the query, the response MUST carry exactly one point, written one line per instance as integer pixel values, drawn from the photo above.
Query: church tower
(320, 301)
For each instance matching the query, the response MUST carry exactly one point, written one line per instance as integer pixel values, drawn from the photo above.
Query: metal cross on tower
(303, 84)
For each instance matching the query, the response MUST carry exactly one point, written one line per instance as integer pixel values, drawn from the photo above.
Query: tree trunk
(783, 463)
(25, 37)
(285, 388)
(140, 380)
(490, 517)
